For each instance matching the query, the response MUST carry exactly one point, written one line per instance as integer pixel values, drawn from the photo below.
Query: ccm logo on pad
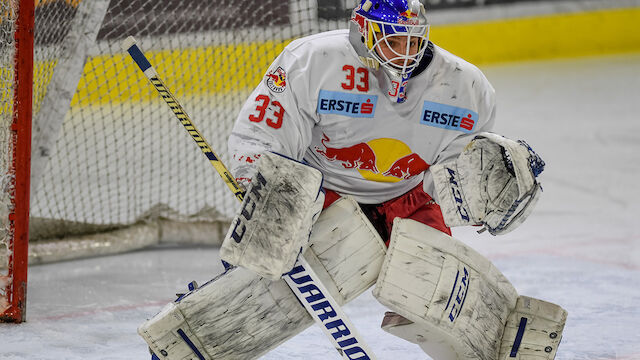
(457, 196)
(458, 294)
(248, 207)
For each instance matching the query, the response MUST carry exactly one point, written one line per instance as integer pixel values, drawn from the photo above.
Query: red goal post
(17, 23)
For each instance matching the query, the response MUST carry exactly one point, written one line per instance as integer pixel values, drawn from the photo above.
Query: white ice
(579, 249)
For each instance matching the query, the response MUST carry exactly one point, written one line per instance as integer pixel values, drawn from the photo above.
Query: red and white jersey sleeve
(275, 117)
(319, 103)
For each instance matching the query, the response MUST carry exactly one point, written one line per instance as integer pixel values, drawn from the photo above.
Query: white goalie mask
(392, 34)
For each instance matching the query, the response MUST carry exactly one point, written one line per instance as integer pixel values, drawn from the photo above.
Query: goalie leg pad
(236, 316)
(345, 250)
(240, 315)
(533, 330)
(272, 227)
(457, 297)
(438, 344)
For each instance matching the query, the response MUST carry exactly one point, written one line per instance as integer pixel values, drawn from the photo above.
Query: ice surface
(580, 248)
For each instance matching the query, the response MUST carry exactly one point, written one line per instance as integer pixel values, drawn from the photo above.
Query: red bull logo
(359, 156)
(384, 160)
(277, 80)
(408, 18)
(406, 166)
(361, 21)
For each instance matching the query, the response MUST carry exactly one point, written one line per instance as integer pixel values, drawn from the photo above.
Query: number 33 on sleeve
(274, 119)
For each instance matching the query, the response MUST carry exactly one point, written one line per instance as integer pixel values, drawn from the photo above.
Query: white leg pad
(346, 251)
(460, 301)
(240, 315)
(533, 330)
(433, 341)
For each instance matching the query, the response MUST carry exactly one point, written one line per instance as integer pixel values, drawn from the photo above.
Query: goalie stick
(302, 280)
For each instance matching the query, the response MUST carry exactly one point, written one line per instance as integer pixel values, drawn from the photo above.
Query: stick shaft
(182, 116)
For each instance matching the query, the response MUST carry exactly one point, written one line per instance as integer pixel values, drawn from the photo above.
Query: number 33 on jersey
(276, 81)
(272, 110)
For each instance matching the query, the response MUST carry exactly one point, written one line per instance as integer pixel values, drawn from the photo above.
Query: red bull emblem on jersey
(384, 160)
(277, 80)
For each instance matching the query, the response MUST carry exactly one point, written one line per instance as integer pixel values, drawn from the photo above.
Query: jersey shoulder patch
(276, 80)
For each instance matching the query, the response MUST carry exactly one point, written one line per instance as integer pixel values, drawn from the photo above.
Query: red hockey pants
(415, 204)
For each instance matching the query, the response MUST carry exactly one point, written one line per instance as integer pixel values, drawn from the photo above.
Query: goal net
(111, 168)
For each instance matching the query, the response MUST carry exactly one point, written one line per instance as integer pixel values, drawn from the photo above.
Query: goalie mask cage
(111, 169)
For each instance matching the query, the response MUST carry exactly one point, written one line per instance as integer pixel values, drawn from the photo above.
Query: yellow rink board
(228, 68)
(543, 37)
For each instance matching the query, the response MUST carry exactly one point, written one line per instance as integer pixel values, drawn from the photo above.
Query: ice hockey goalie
(360, 149)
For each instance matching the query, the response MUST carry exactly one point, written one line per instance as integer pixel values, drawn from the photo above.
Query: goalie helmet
(392, 34)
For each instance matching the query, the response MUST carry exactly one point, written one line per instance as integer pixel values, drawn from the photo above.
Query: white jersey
(320, 104)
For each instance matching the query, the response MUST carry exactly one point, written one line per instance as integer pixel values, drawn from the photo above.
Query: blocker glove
(273, 225)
